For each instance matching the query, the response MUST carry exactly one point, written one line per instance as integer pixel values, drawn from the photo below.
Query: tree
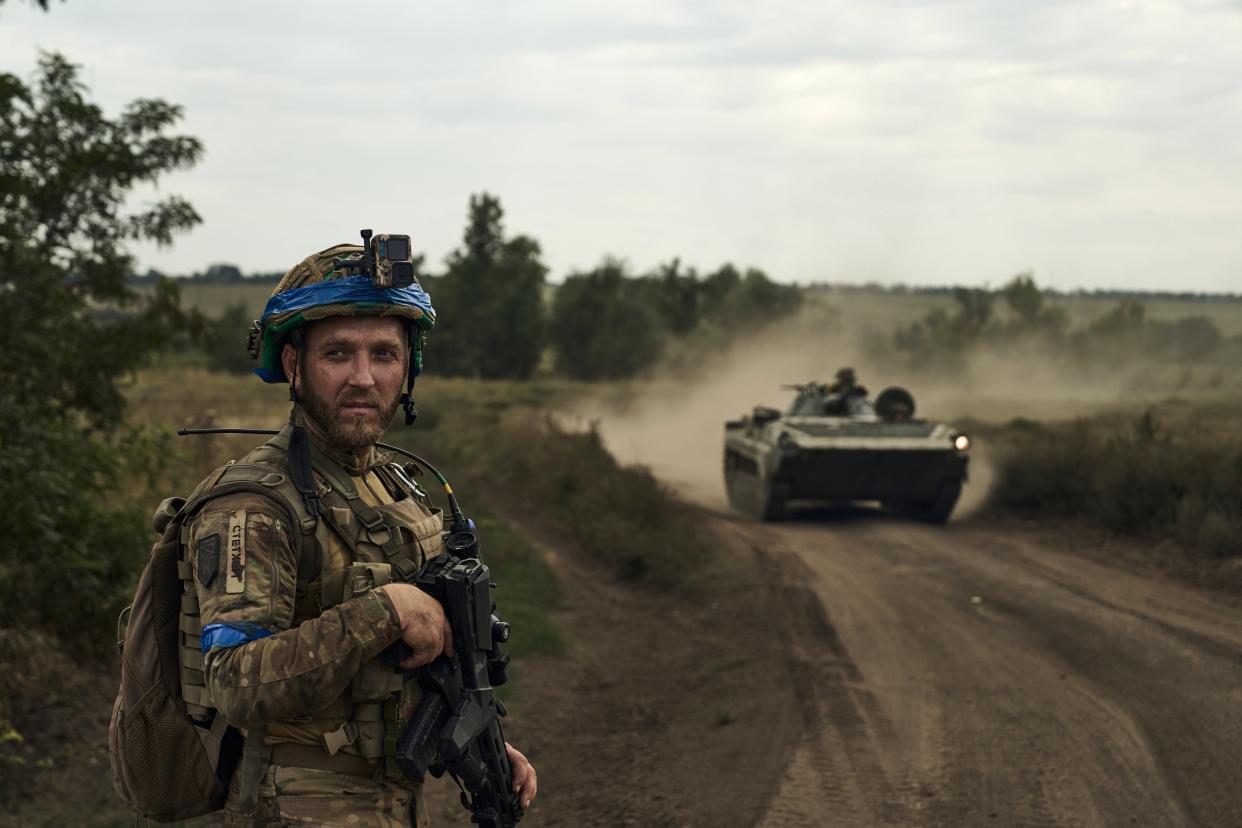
(675, 295)
(1031, 313)
(601, 325)
(1126, 319)
(489, 303)
(70, 328)
(757, 299)
(223, 273)
(1024, 298)
(974, 312)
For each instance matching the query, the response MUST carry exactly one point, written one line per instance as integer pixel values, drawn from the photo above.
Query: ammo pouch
(372, 690)
(401, 535)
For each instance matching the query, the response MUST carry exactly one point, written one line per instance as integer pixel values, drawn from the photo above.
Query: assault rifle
(456, 726)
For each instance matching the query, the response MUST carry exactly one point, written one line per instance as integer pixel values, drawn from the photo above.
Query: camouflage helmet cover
(319, 287)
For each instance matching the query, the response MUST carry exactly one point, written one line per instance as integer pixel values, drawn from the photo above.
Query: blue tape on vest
(232, 635)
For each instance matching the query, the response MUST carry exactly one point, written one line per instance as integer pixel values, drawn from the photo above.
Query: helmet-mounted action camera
(387, 258)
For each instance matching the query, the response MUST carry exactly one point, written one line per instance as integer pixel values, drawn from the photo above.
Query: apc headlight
(787, 444)
(961, 442)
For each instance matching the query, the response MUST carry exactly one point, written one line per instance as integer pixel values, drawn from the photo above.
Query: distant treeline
(216, 274)
(495, 319)
(1103, 294)
(498, 318)
(1019, 314)
(226, 274)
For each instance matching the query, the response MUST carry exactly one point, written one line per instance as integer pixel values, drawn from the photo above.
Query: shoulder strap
(258, 475)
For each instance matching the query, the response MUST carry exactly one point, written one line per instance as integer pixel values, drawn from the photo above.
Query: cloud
(920, 141)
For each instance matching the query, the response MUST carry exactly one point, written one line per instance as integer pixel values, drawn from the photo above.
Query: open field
(882, 310)
(212, 299)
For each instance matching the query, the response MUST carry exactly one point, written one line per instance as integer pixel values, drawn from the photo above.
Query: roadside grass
(1172, 472)
(526, 589)
(566, 481)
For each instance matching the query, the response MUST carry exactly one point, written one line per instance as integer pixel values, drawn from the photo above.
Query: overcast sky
(1096, 142)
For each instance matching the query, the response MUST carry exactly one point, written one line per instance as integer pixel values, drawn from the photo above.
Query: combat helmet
(375, 278)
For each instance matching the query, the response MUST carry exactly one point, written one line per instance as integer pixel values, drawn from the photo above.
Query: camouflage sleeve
(259, 667)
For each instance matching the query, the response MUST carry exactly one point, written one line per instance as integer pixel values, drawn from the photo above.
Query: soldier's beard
(346, 433)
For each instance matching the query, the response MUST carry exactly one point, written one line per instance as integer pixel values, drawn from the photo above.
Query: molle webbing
(371, 713)
(358, 522)
(372, 726)
(372, 720)
(235, 478)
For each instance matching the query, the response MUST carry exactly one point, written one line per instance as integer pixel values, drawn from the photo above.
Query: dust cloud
(673, 422)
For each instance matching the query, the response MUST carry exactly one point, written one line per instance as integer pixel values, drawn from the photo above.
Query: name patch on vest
(235, 581)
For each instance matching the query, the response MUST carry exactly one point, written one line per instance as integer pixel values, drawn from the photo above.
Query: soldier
(847, 383)
(291, 563)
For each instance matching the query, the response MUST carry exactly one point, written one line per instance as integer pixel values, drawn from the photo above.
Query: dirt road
(977, 675)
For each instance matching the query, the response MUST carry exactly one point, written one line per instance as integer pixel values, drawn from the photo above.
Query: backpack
(165, 766)
(172, 757)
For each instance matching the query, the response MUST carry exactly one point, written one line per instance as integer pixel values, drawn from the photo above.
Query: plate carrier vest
(164, 707)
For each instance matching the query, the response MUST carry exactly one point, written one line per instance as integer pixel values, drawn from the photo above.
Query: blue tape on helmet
(352, 290)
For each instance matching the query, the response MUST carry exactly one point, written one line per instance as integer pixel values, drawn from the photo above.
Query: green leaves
(603, 327)
(489, 305)
(606, 324)
(70, 331)
(67, 171)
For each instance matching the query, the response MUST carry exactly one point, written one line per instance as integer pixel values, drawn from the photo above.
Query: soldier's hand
(525, 782)
(424, 626)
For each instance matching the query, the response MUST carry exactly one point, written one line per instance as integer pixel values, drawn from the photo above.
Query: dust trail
(673, 422)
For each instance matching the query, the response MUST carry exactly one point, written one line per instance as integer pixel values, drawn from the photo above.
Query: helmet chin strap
(407, 399)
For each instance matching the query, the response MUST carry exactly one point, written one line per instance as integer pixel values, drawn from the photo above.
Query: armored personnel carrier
(834, 443)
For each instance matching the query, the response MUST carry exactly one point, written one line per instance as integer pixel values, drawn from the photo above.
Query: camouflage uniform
(291, 664)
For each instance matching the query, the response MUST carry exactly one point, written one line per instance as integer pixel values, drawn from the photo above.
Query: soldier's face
(350, 378)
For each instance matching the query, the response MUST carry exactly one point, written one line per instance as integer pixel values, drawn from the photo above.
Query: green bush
(224, 338)
(73, 545)
(1127, 476)
(620, 516)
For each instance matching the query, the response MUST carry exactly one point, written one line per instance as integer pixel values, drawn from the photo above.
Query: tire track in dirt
(976, 676)
(835, 772)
